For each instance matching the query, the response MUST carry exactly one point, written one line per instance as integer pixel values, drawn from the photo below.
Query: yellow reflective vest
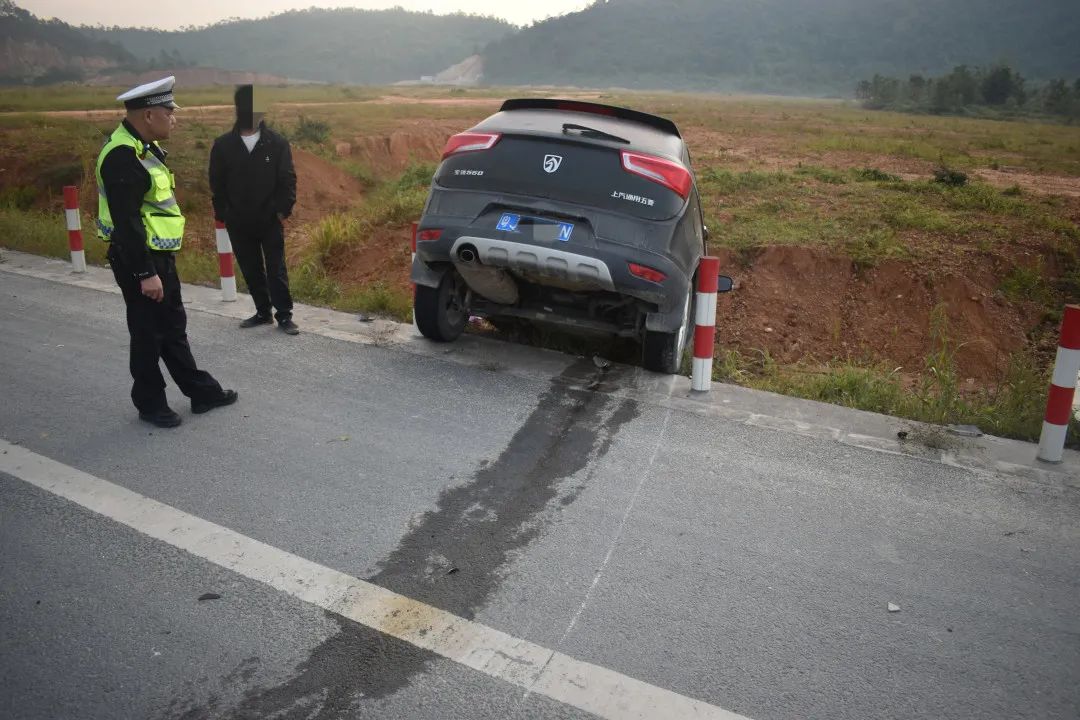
(160, 212)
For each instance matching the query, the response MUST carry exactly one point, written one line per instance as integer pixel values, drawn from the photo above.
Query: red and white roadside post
(225, 262)
(705, 323)
(415, 229)
(1059, 405)
(74, 228)
(412, 240)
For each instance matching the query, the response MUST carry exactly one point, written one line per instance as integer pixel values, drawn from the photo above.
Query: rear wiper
(593, 133)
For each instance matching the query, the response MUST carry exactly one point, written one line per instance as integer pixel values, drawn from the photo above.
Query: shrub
(948, 176)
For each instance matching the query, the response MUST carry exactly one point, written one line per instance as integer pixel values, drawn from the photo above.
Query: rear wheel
(440, 312)
(663, 352)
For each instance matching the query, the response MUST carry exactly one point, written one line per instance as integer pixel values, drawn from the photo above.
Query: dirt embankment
(415, 142)
(807, 304)
(383, 258)
(322, 188)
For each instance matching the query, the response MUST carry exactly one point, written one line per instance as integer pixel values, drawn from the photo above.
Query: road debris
(894, 608)
(209, 596)
(965, 431)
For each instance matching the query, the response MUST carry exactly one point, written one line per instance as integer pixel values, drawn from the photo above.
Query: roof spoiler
(662, 124)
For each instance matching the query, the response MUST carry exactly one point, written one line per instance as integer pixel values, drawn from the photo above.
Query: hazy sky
(172, 14)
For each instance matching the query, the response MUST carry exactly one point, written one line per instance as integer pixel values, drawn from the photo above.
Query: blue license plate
(537, 227)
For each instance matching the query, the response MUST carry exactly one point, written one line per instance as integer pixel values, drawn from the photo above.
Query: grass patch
(42, 233)
(18, 197)
(726, 182)
(309, 283)
(1028, 284)
(973, 197)
(1013, 410)
(308, 132)
(378, 298)
(759, 227)
(195, 266)
(869, 248)
(392, 204)
(359, 172)
(906, 213)
(331, 234)
(912, 148)
(825, 175)
(874, 175)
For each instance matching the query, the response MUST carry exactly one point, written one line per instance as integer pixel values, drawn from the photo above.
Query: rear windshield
(582, 173)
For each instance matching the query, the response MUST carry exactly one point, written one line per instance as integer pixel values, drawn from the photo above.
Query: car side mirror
(724, 284)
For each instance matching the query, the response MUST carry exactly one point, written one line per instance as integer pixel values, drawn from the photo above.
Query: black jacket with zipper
(250, 189)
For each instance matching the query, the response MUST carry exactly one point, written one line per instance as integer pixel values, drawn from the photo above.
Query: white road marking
(602, 692)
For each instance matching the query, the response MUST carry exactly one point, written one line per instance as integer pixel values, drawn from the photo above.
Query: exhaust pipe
(491, 282)
(467, 254)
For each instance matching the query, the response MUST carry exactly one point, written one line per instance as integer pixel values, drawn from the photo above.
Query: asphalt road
(739, 566)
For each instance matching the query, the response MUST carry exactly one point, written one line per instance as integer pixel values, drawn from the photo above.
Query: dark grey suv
(578, 214)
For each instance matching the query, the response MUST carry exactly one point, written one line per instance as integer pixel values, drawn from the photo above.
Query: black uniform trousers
(159, 332)
(260, 252)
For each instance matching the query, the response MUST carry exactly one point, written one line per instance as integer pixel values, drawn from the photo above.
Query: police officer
(140, 220)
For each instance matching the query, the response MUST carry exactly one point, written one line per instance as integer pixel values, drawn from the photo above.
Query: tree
(917, 88)
(963, 85)
(1058, 99)
(1000, 85)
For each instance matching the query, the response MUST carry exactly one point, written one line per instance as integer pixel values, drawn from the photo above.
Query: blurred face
(159, 122)
(250, 107)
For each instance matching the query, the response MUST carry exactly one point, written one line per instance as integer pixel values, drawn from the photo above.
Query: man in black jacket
(254, 188)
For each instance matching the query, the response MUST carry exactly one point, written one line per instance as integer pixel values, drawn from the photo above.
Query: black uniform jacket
(251, 188)
(126, 182)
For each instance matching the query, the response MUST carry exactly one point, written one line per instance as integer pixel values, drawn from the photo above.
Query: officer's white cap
(152, 94)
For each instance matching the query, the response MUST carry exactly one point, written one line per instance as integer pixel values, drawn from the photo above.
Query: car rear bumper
(526, 260)
(602, 267)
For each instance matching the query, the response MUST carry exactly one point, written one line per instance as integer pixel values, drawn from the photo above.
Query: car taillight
(647, 273)
(469, 142)
(668, 173)
(428, 235)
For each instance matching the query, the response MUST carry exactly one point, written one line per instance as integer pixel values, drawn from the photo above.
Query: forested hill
(788, 46)
(39, 51)
(342, 46)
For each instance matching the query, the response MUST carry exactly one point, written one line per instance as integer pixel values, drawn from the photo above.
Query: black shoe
(256, 319)
(288, 327)
(228, 397)
(163, 418)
